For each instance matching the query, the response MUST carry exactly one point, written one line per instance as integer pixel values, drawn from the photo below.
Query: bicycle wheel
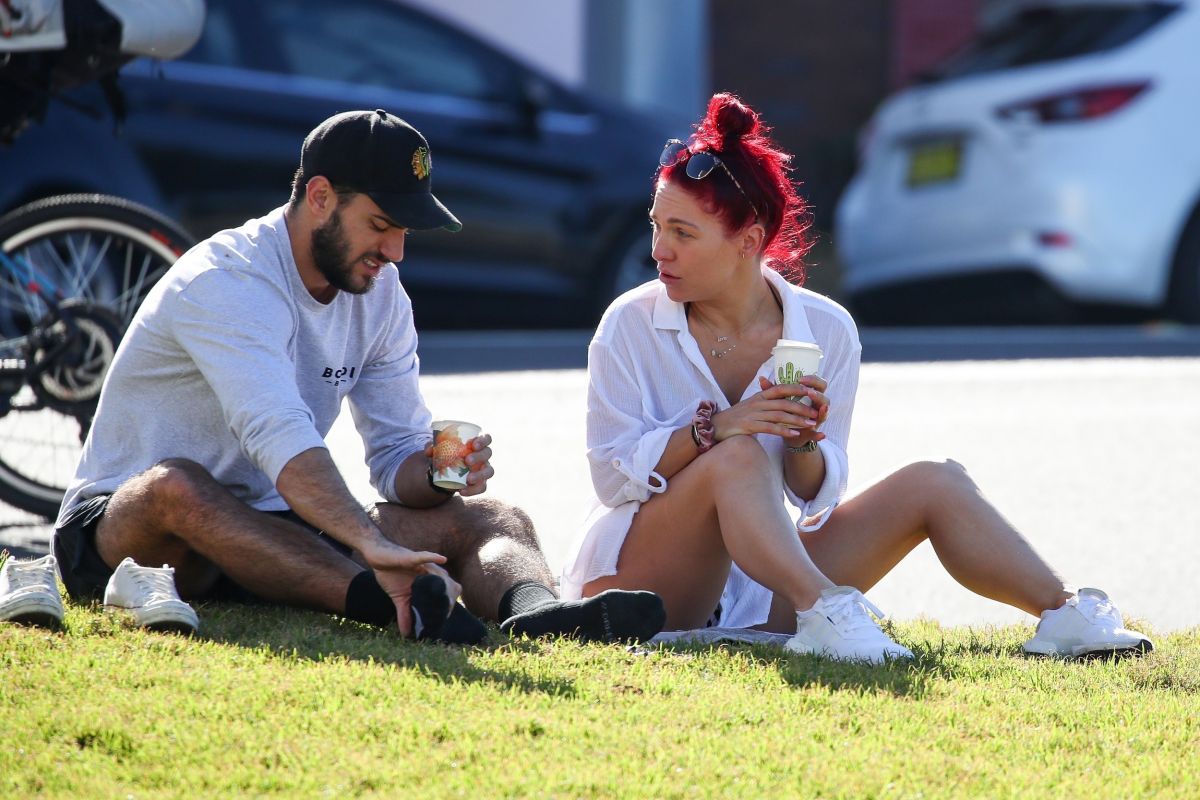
(99, 256)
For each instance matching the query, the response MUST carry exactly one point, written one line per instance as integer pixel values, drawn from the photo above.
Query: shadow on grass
(312, 636)
(939, 655)
(898, 678)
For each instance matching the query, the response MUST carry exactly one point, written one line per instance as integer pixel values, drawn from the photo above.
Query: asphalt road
(1087, 442)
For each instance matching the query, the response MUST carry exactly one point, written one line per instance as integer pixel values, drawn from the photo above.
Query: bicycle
(73, 271)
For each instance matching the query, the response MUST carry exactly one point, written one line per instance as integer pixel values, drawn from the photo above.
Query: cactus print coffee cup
(451, 445)
(793, 360)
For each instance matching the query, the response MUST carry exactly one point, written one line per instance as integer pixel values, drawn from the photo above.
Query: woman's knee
(737, 455)
(937, 475)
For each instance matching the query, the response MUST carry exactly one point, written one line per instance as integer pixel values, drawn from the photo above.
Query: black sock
(611, 616)
(366, 601)
(431, 623)
(430, 606)
(524, 596)
(462, 627)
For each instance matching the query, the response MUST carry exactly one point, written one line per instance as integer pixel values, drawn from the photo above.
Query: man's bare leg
(493, 551)
(176, 513)
(488, 545)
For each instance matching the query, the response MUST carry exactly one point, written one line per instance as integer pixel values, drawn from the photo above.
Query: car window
(1051, 34)
(380, 43)
(218, 43)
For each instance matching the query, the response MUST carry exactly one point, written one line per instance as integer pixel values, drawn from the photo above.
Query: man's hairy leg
(176, 513)
(494, 553)
(490, 546)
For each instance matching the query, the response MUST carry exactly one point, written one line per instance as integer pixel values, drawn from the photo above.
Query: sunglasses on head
(699, 165)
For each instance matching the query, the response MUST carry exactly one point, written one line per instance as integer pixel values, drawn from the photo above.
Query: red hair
(733, 132)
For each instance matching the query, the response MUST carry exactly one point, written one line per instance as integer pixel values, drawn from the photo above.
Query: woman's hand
(772, 411)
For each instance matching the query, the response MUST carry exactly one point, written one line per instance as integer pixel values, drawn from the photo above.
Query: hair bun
(729, 119)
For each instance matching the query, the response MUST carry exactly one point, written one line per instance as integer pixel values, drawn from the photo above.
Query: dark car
(552, 186)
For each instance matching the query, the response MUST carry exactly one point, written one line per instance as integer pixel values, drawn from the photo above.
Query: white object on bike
(155, 28)
(32, 25)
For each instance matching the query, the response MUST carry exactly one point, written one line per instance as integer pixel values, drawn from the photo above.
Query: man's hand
(395, 569)
(480, 465)
(478, 461)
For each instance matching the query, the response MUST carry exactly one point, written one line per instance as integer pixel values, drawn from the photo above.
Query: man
(207, 451)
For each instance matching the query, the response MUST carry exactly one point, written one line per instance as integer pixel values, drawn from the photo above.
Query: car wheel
(1184, 297)
(629, 264)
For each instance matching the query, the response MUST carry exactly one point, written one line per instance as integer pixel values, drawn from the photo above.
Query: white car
(1052, 165)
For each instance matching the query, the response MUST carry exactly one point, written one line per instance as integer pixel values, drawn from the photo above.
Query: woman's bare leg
(868, 534)
(720, 508)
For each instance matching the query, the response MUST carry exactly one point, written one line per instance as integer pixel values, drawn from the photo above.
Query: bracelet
(703, 433)
(807, 447)
(434, 486)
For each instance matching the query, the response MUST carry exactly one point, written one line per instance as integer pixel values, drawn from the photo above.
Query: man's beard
(331, 252)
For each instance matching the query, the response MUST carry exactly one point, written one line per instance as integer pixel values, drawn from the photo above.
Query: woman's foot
(839, 626)
(1086, 625)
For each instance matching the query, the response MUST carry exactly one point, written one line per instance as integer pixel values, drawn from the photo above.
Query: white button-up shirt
(646, 375)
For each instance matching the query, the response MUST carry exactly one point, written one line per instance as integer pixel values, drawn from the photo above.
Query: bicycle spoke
(48, 246)
(129, 300)
(85, 281)
(122, 301)
(31, 304)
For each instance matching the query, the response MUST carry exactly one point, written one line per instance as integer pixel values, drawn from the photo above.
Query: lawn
(297, 704)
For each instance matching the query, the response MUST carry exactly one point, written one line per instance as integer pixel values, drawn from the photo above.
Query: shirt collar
(672, 316)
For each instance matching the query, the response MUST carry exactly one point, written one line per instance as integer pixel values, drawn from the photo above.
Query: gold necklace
(717, 353)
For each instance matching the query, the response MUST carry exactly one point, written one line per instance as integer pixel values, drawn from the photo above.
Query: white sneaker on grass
(839, 626)
(29, 592)
(1086, 625)
(148, 593)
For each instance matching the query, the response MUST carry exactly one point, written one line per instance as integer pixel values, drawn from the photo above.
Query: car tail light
(1054, 239)
(1077, 105)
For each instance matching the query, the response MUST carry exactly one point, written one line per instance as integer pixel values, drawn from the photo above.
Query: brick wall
(817, 70)
(925, 32)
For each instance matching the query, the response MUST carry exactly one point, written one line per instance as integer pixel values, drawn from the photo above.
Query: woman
(694, 450)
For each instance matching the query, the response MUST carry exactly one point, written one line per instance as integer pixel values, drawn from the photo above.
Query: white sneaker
(148, 593)
(839, 626)
(29, 593)
(1087, 624)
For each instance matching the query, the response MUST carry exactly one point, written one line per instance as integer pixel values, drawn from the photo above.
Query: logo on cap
(420, 163)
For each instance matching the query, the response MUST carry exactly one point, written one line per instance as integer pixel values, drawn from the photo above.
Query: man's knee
(172, 486)
(485, 519)
(457, 527)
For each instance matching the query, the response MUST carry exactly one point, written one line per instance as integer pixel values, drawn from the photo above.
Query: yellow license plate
(934, 161)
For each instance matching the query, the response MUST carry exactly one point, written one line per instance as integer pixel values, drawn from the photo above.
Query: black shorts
(85, 574)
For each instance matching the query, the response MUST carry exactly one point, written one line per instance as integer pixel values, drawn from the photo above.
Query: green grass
(296, 704)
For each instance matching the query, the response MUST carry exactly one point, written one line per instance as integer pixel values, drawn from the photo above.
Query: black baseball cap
(383, 157)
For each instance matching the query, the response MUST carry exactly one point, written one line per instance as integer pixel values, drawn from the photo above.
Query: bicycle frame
(16, 369)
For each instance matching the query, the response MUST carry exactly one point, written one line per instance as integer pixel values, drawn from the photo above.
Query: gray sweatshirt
(231, 363)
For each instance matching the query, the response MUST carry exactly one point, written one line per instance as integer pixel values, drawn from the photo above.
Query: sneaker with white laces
(148, 593)
(29, 592)
(1086, 625)
(839, 626)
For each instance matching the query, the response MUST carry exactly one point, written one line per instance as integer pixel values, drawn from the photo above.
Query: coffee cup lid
(784, 343)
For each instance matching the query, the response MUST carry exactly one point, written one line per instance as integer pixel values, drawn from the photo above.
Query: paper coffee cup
(793, 360)
(451, 445)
